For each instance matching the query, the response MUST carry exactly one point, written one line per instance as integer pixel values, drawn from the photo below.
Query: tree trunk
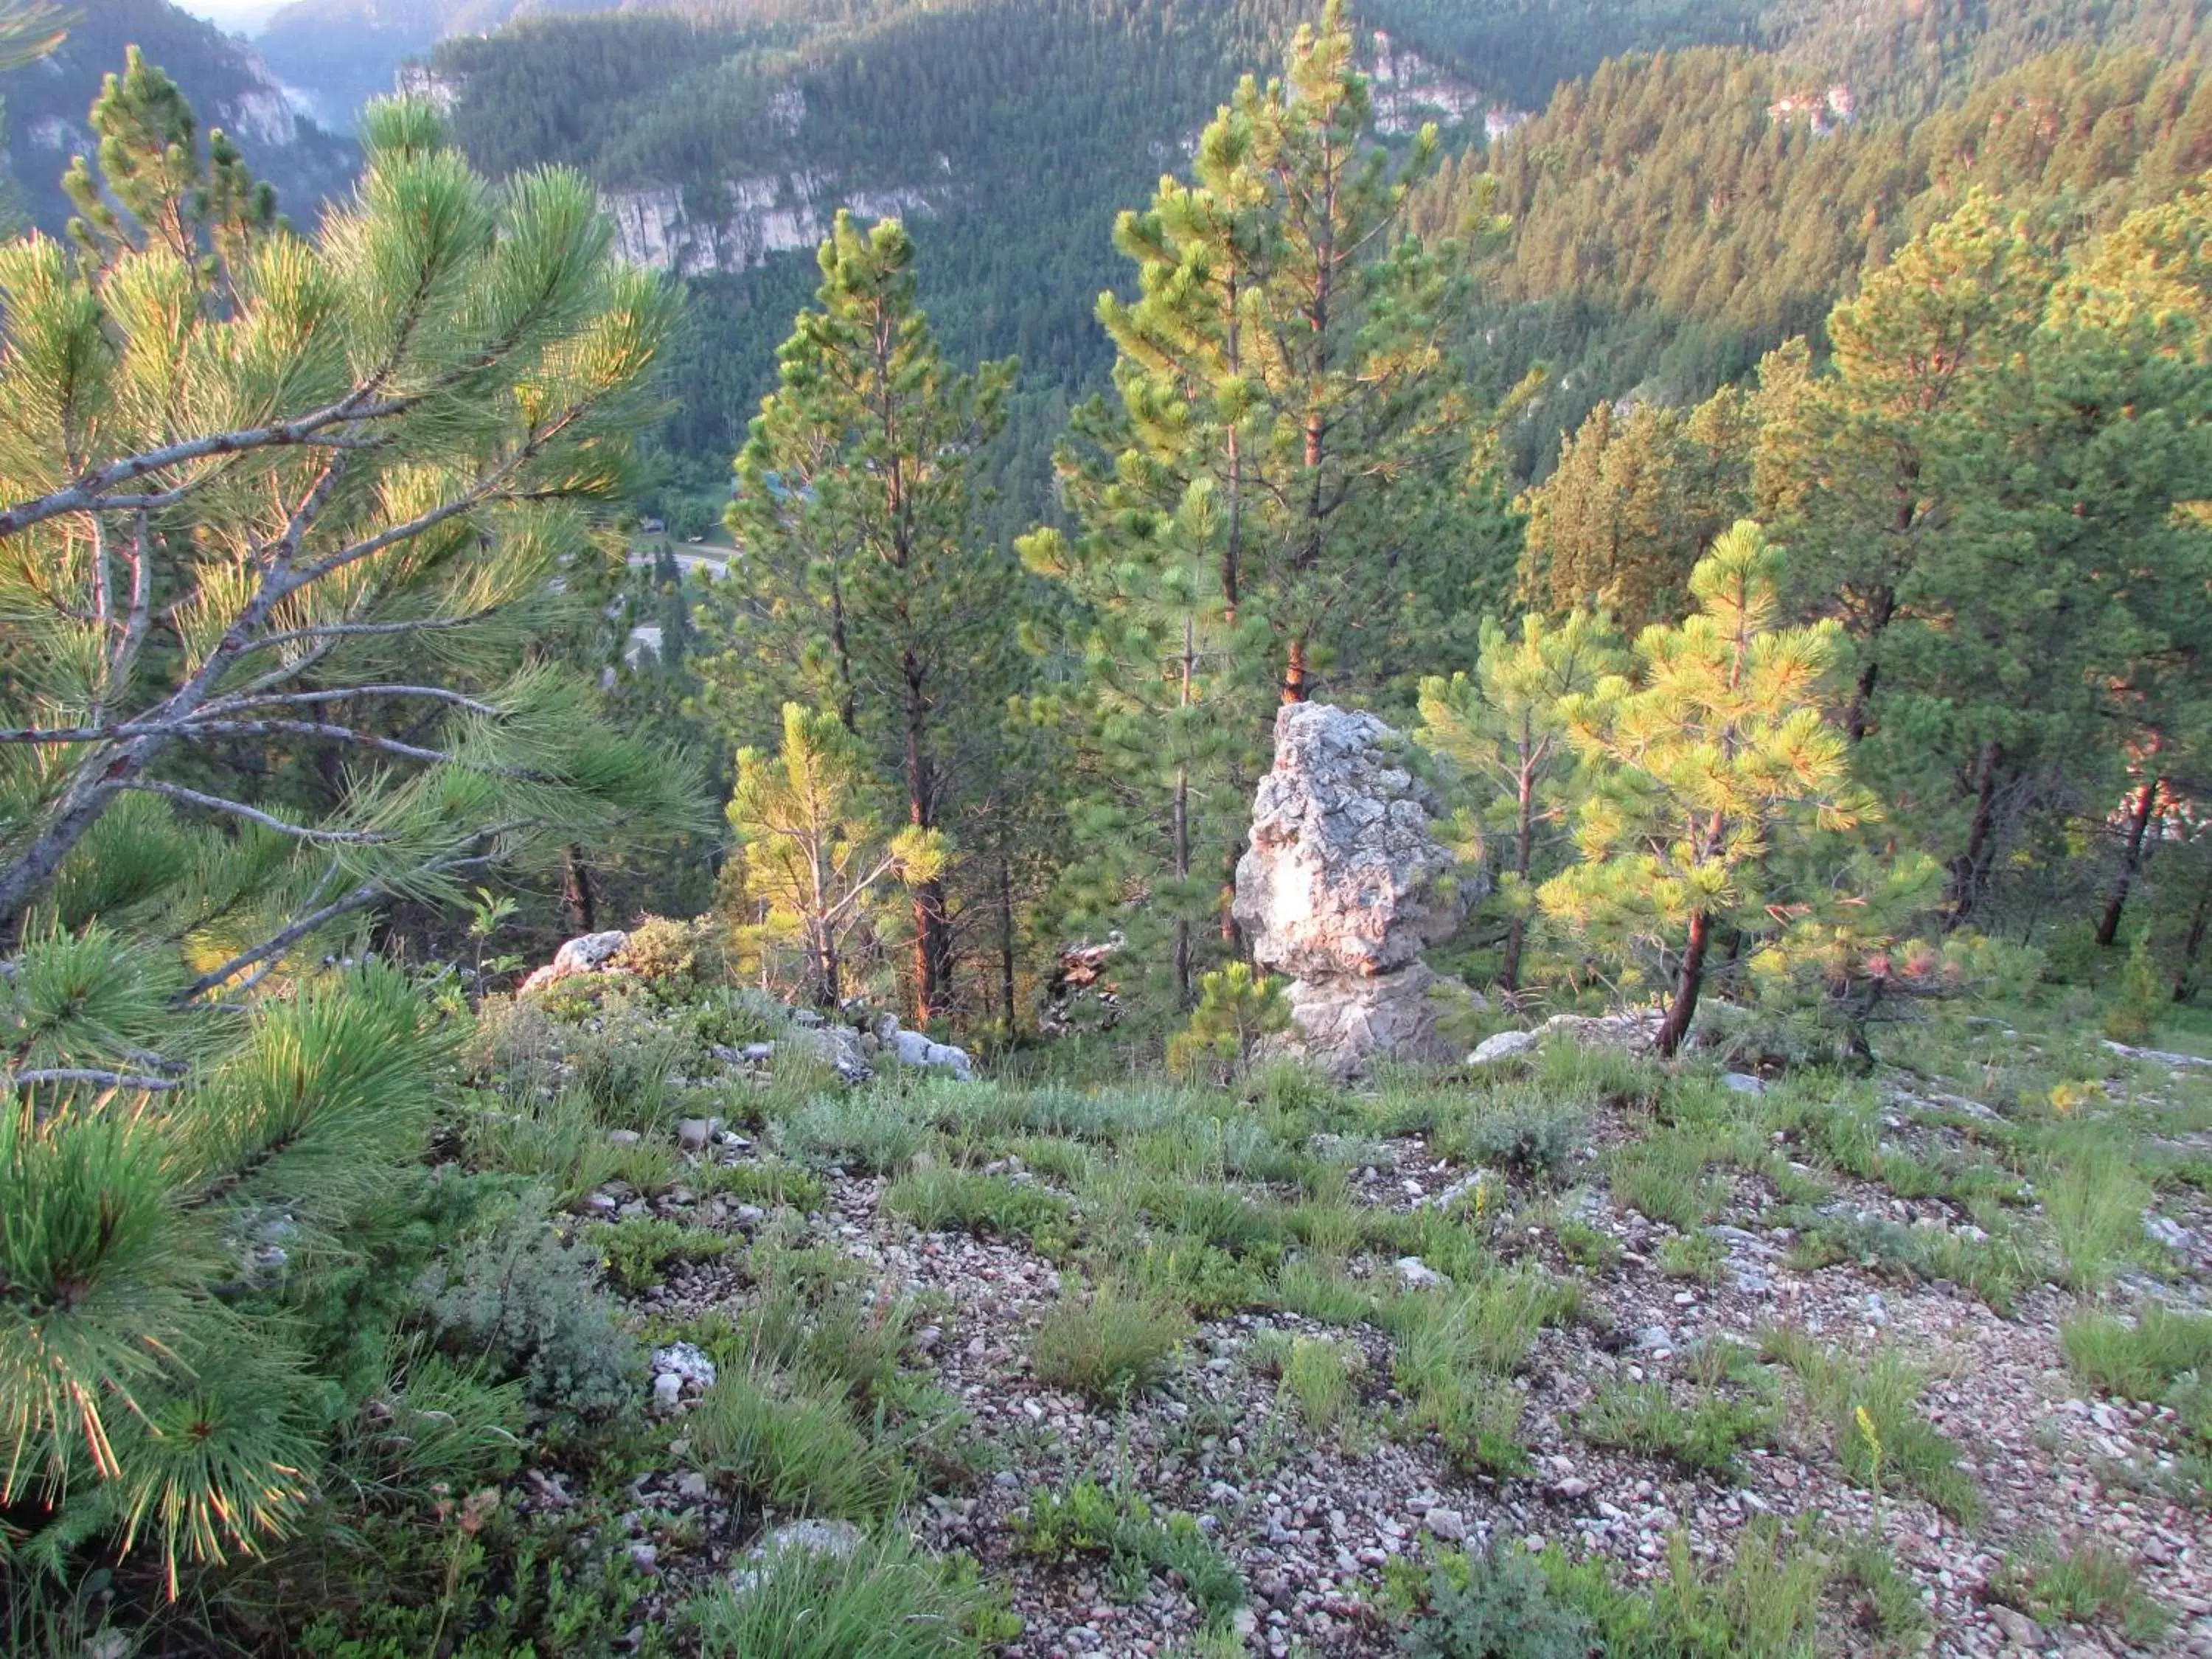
(1524, 855)
(1232, 548)
(933, 935)
(846, 716)
(1295, 689)
(1687, 983)
(1182, 873)
(1968, 869)
(2108, 928)
(1182, 826)
(829, 972)
(1007, 945)
(576, 893)
(1855, 716)
(2184, 977)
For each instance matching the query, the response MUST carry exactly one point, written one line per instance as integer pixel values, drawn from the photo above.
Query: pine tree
(812, 853)
(1283, 484)
(1342, 379)
(1502, 731)
(248, 505)
(1637, 499)
(1986, 488)
(1717, 750)
(155, 186)
(863, 583)
(1156, 713)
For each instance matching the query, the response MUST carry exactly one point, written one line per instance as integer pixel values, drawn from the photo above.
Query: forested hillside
(1009, 134)
(1671, 221)
(1671, 217)
(1906, 56)
(229, 86)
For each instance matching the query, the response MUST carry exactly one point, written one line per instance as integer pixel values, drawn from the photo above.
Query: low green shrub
(638, 1252)
(872, 1133)
(1527, 1134)
(525, 1304)
(1497, 1605)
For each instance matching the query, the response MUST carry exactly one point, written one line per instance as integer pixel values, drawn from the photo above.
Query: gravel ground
(1311, 1521)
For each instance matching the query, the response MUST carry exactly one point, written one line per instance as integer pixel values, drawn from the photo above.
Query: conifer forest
(922, 829)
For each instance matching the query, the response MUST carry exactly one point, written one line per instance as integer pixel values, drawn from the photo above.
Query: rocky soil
(1311, 1521)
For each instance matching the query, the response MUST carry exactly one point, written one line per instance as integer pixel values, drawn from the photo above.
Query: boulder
(912, 1049)
(1343, 874)
(1503, 1046)
(586, 954)
(836, 1045)
(1633, 1031)
(835, 1540)
(1344, 885)
(1345, 1022)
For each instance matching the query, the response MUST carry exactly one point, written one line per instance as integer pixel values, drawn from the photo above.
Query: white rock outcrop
(1344, 885)
(586, 954)
(761, 215)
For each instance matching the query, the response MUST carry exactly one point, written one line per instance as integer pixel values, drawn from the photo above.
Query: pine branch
(367, 893)
(354, 630)
(94, 491)
(89, 1075)
(238, 808)
(226, 705)
(193, 729)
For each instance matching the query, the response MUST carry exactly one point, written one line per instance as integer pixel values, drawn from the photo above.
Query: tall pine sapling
(1502, 729)
(1718, 748)
(812, 853)
(863, 584)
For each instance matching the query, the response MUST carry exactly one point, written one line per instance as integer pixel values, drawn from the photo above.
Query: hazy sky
(238, 16)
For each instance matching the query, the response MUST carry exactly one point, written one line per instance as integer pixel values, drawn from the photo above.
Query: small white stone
(1503, 1046)
(1416, 1275)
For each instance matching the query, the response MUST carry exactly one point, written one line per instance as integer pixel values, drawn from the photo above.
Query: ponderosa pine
(1718, 745)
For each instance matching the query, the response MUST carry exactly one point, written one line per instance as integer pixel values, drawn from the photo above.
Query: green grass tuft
(1107, 1347)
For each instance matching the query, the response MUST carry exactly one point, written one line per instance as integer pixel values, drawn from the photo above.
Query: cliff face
(1409, 90)
(764, 214)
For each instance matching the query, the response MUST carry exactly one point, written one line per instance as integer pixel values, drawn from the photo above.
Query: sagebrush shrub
(527, 1303)
(1498, 1605)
